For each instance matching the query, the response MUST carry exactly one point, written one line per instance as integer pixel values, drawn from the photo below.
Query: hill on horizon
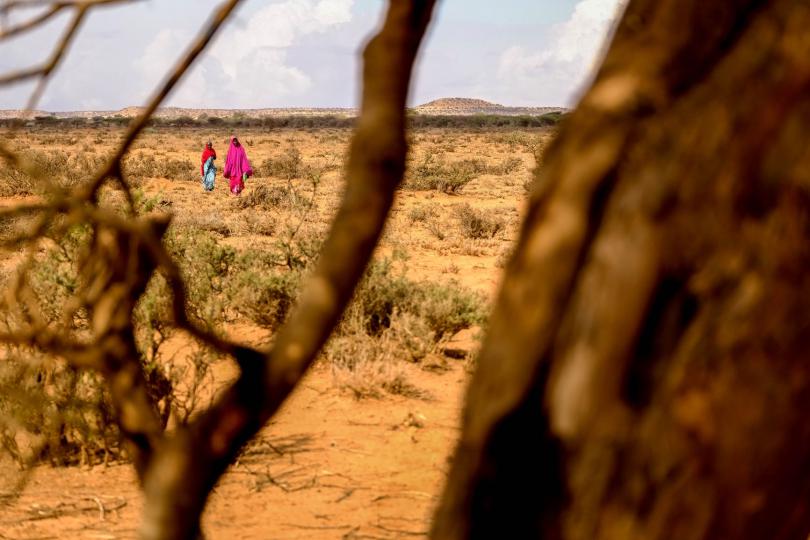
(460, 103)
(472, 106)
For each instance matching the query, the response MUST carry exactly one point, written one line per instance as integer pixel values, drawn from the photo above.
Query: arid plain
(360, 450)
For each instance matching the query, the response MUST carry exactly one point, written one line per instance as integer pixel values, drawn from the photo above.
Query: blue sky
(284, 53)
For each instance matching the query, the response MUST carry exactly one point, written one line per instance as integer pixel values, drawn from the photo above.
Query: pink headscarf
(236, 162)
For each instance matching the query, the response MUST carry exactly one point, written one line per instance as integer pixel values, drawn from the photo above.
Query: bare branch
(188, 465)
(39, 20)
(46, 69)
(57, 57)
(25, 4)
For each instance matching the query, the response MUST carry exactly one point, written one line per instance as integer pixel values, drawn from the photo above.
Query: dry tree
(123, 250)
(644, 373)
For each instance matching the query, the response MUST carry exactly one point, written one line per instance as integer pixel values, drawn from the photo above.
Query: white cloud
(153, 63)
(247, 66)
(555, 75)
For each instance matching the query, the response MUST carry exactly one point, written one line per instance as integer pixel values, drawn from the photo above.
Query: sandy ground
(328, 465)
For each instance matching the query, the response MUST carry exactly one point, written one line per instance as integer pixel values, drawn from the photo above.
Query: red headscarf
(207, 153)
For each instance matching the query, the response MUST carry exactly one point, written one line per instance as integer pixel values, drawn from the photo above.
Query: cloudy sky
(287, 53)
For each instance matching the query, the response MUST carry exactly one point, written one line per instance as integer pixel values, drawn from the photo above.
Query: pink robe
(237, 167)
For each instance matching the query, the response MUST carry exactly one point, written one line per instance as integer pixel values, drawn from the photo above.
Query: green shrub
(50, 409)
(384, 293)
(298, 246)
(379, 294)
(449, 308)
(265, 298)
(205, 266)
(145, 203)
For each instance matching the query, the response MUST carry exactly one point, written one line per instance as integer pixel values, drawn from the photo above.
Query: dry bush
(268, 197)
(265, 297)
(289, 166)
(448, 308)
(422, 213)
(436, 227)
(205, 266)
(478, 223)
(260, 286)
(433, 173)
(145, 204)
(506, 166)
(385, 292)
(298, 244)
(140, 166)
(369, 366)
(211, 222)
(413, 336)
(224, 284)
(513, 139)
(360, 365)
(259, 224)
(14, 227)
(381, 293)
(472, 247)
(61, 168)
(49, 409)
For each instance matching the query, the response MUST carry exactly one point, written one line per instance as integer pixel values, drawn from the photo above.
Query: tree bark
(645, 372)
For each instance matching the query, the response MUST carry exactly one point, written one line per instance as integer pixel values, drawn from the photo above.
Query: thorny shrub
(478, 223)
(140, 166)
(433, 173)
(289, 166)
(61, 168)
(273, 196)
(423, 212)
(48, 409)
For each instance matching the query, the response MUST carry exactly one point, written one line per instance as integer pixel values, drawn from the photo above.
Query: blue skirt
(210, 173)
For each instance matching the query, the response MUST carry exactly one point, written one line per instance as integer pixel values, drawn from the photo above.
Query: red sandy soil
(327, 466)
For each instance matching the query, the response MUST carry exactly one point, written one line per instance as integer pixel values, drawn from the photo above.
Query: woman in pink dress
(237, 166)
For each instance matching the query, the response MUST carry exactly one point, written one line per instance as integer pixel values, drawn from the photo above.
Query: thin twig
(41, 19)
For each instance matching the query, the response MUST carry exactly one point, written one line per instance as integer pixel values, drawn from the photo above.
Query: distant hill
(460, 104)
(441, 107)
(471, 106)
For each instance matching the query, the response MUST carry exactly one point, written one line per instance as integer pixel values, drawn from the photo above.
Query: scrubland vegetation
(243, 258)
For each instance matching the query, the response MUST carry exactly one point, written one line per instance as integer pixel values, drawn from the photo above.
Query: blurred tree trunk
(646, 373)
